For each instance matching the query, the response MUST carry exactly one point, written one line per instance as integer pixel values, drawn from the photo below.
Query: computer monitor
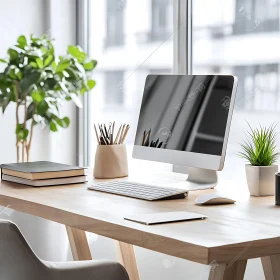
(185, 119)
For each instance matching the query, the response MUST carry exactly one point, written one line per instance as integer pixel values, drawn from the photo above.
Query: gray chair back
(19, 262)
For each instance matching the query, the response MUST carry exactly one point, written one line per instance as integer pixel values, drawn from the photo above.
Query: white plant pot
(261, 179)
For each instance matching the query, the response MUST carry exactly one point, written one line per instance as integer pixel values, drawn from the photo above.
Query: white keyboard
(138, 190)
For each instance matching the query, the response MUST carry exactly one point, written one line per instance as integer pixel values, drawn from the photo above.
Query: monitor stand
(199, 179)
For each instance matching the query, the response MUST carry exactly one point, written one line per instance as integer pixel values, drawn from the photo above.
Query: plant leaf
(40, 62)
(34, 64)
(37, 95)
(77, 52)
(42, 108)
(48, 60)
(29, 81)
(90, 65)
(13, 54)
(62, 65)
(63, 122)
(53, 126)
(21, 132)
(260, 147)
(91, 84)
(22, 42)
(30, 110)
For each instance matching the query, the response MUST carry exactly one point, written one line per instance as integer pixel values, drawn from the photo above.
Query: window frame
(83, 114)
(182, 49)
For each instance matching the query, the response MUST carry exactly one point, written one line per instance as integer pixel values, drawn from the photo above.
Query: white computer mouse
(213, 199)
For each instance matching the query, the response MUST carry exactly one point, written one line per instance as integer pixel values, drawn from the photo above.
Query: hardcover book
(41, 170)
(45, 182)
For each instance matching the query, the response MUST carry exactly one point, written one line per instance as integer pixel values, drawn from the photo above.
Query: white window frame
(82, 115)
(182, 49)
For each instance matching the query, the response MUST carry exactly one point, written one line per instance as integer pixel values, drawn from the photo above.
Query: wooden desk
(231, 235)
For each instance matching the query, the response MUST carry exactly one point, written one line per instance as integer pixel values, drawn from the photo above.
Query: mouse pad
(164, 217)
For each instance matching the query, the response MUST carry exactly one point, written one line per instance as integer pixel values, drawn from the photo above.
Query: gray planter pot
(261, 179)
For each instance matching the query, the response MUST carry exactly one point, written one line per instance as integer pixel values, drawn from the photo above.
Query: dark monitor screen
(185, 113)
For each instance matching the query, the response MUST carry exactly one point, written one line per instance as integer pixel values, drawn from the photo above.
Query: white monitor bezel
(198, 160)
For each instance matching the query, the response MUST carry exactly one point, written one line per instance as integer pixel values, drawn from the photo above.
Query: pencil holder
(110, 162)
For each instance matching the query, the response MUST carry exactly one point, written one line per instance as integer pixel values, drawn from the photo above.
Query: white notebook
(164, 217)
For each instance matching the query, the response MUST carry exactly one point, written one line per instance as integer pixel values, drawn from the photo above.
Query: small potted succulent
(260, 150)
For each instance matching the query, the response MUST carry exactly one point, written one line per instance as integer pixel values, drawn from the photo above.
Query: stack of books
(42, 173)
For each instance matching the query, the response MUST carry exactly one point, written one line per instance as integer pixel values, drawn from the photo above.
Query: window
(114, 94)
(161, 19)
(235, 37)
(250, 16)
(246, 33)
(257, 87)
(115, 22)
(122, 70)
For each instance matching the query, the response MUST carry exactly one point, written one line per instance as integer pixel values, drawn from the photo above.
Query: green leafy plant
(260, 148)
(38, 81)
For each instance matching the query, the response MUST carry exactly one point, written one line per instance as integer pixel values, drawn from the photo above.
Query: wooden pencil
(116, 139)
(121, 136)
(147, 138)
(103, 134)
(125, 133)
(97, 137)
(144, 137)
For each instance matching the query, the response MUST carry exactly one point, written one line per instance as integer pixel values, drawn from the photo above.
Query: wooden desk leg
(271, 267)
(231, 271)
(78, 244)
(217, 272)
(126, 257)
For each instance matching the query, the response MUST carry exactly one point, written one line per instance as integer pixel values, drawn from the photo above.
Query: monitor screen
(185, 113)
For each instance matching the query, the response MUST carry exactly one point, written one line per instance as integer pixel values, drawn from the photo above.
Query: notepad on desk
(42, 173)
(165, 217)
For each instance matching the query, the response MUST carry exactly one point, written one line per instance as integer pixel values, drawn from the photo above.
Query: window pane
(241, 38)
(113, 93)
(130, 39)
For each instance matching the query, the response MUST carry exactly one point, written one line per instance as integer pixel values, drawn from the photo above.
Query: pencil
(113, 128)
(103, 134)
(97, 137)
(148, 138)
(112, 133)
(156, 142)
(125, 133)
(102, 141)
(121, 136)
(106, 132)
(144, 137)
(115, 142)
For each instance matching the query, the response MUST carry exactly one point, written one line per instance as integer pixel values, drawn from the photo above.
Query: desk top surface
(250, 228)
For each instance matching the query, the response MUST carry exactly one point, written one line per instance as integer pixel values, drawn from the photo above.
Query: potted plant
(38, 81)
(260, 151)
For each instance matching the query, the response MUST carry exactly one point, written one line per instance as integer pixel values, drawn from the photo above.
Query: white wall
(30, 17)
(16, 18)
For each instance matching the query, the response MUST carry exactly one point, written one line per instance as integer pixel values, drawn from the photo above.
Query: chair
(19, 262)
